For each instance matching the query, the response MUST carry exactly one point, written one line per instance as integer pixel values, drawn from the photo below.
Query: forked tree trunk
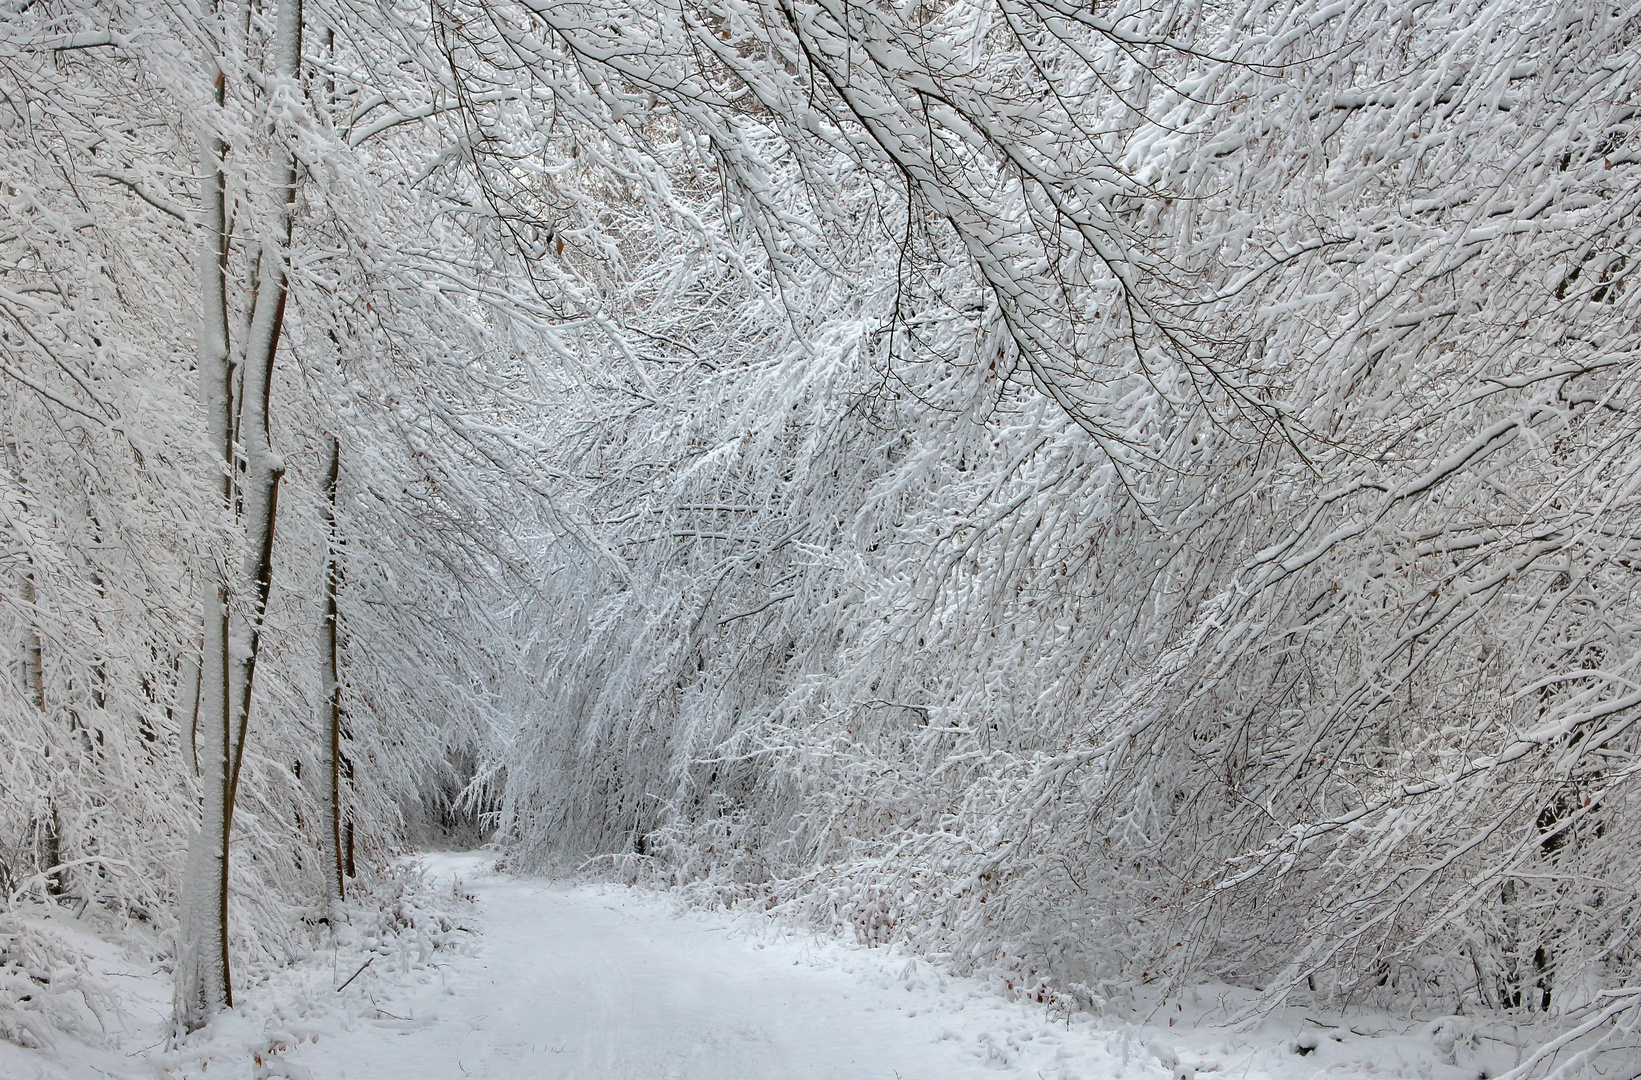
(262, 469)
(232, 644)
(202, 949)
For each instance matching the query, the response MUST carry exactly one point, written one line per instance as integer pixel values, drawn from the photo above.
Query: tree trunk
(34, 674)
(184, 711)
(231, 645)
(262, 468)
(202, 946)
(203, 985)
(331, 721)
(47, 829)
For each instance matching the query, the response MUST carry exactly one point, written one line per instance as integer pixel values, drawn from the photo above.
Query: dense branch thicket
(1148, 490)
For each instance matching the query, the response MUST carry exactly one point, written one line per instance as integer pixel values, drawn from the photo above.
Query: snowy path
(599, 982)
(587, 984)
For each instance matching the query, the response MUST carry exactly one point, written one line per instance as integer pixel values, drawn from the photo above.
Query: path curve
(579, 983)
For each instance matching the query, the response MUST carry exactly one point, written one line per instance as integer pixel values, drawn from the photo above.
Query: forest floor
(533, 979)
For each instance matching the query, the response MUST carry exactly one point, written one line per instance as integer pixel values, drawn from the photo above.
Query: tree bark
(262, 468)
(34, 675)
(203, 985)
(50, 848)
(249, 485)
(331, 723)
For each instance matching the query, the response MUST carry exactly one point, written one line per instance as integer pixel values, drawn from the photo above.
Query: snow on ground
(72, 1003)
(542, 980)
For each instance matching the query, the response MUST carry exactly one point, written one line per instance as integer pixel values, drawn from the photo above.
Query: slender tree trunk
(49, 834)
(337, 864)
(51, 850)
(263, 468)
(202, 955)
(34, 673)
(47, 829)
(203, 985)
(331, 722)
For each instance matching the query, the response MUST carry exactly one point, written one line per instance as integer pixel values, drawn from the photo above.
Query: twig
(145, 1049)
(355, 975)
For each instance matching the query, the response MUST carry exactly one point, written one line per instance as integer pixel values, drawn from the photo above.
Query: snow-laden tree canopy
(1152, 492)
(1121, 490)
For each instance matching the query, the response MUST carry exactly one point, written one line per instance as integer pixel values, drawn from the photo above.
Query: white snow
(576, 981)
(607, 982)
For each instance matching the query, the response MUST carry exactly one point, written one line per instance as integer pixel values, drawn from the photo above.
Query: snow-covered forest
(1118, 493)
